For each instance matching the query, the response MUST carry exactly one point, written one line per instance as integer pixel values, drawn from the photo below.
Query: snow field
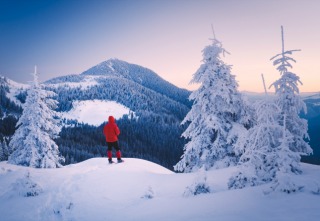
(95, 112)
(141, 190)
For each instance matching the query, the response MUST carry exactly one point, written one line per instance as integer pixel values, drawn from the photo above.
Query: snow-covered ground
(95, 112)
(140, 190)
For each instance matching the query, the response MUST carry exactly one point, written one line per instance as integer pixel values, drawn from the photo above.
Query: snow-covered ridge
(14, 84)
(95, 112)
(141, 190)
(87, 82)
(311, 96)
(15, 88)
(259, 95)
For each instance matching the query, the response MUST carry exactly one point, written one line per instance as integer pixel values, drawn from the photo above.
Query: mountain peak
(103, 68)
(120, 76)
(138, 74)
(118, 68)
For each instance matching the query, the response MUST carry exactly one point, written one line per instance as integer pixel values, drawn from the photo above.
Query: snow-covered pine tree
(290, 102)
(32, 143)
(260, 161)
(274, 145)
(218, 117)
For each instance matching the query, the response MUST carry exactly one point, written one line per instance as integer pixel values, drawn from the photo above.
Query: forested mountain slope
(159, 107)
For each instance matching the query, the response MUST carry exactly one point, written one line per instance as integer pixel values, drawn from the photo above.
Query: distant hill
(140, 75)
(132, 85)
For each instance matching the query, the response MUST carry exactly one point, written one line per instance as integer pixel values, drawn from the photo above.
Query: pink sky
(166, 36)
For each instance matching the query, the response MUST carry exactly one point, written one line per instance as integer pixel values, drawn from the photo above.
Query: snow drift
(141, 190)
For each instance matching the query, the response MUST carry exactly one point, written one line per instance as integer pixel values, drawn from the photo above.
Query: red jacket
(111, 130)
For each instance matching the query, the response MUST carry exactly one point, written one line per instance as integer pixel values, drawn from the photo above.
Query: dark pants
(113, 144)
(116, 146)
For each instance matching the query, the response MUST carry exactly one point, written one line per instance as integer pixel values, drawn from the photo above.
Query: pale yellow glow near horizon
(248, 76)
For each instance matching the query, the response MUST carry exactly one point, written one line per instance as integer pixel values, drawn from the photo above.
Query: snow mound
(140, 190)
(131, 165)
(95, 112)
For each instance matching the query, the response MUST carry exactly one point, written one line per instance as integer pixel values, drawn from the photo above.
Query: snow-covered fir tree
(290, 102)
(218, 117)
(266, 149)
(33, 143)
(274, 144)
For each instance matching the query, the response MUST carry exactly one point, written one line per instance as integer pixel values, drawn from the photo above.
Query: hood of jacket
(111, 120)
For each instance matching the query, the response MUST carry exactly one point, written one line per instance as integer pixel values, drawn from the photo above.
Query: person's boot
(118, 154)
(109, 153)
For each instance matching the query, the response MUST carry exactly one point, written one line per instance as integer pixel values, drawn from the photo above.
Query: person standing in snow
(111, 132)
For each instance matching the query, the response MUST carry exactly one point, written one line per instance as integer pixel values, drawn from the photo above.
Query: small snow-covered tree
(266, 150)
(199, 186)
(32, 143)
(26, 187)
(217, 118)
(149, 194)
(290, 102)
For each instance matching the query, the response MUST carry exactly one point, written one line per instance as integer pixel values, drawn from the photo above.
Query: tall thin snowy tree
(217, 118)
(290, 102)
(32, 143)
(270, 153)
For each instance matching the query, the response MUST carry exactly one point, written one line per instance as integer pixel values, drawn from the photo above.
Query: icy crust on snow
(141, 190)
(95, 112)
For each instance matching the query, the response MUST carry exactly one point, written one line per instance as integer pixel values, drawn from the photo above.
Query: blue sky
(167, 36)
